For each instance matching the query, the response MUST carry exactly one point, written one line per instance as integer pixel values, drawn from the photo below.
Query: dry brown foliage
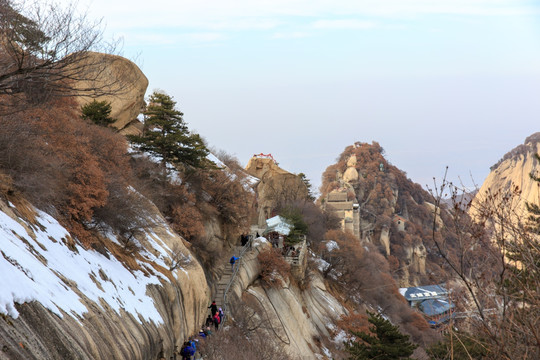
(248, 334)
(67, 166)
(187, 220)
(274, 269)
(233, 343)
(363, 275)
(353, 322)
(496, 266)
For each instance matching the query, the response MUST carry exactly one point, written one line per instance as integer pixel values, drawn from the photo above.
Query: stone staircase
(228, 274)
(222, 284)
(226, 277)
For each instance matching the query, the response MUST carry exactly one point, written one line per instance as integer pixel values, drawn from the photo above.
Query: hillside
(119, 227)
(489, 260)
(60, 300)
(512, 175)
(111, 251)
(388, 210)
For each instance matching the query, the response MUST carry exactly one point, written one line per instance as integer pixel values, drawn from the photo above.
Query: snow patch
(341, 337)
(39, 267)
(331, 245)
(322, 265)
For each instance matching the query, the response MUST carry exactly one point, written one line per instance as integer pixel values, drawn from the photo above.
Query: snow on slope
(31, 270)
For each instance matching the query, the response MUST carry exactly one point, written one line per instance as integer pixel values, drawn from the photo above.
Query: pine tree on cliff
(384, 342)
(99, 112)
(166, 134)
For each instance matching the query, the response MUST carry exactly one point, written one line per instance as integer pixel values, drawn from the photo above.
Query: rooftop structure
(432, 301)
(278, 224)
(421, 293)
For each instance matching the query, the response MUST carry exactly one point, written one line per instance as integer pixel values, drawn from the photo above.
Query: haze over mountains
(117, 226)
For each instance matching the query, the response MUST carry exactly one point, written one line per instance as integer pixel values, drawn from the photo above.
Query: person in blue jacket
(187, 351)
(232, 261)
(193, 343)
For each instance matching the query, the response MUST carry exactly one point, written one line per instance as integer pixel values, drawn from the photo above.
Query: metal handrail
(233, 275)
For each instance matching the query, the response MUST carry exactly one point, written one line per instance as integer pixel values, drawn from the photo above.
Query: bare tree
(249, 336)
(46, 50)
(496, 263)
(179, 259)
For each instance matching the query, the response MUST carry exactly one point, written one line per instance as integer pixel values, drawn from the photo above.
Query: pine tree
(384, 342)
(166, 134)
(99, 112)
(306, 181)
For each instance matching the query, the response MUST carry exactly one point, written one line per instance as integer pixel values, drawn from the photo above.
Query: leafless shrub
(45, 50)
(497, 265)
(248, 337)
(179, 259)
(273, 267)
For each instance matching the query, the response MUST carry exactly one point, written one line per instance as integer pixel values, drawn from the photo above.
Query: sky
(436, 83)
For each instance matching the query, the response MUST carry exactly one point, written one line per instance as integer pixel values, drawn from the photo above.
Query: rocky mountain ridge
(512, 176)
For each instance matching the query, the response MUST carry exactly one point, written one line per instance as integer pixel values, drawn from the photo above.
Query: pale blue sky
(436, 83)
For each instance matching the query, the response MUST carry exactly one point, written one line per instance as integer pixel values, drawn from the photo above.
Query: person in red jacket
(216, 319)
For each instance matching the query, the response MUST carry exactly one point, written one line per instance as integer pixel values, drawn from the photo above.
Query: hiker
(213, 308)
(217, 320)
(220, 312)
(202, 333)
(232, 261)
(209, 321)
(187, 351)
(258, 236)
(193, 343)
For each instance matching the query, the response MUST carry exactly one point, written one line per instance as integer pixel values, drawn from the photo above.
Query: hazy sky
(437, 83)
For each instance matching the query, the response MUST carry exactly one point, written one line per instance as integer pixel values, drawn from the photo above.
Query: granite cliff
(511, 175)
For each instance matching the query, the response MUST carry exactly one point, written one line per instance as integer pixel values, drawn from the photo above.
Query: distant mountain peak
(528, 147)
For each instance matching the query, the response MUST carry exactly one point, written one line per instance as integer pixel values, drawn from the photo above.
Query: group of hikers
(214, 319)
(190, 347)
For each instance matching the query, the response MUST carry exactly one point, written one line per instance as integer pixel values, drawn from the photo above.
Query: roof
(433, 307)
(337, 196)
(278, 224)
(399, 217)
(419, 293)
(344, 205)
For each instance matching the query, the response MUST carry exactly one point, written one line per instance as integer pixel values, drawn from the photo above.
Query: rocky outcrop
(122, 84)
(276, 186)
(378, 204)
(351, 174)
(296, 319)
(293, 318)
(513, 172)
(62, 301)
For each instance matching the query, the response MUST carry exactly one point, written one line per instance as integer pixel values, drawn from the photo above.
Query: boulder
(122, 84)
(350, 175)
(352, 161)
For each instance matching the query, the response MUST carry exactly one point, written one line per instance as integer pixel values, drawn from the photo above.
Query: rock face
(276, 186)
(351, 174)
(127, 85)
(104, 309)
(294, 317)
(378, 204)
(513, 171)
